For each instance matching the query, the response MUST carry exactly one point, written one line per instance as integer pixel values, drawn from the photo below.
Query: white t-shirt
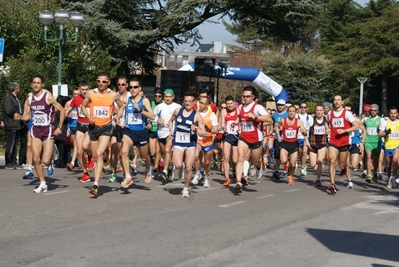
(307, 121)
(164, 111)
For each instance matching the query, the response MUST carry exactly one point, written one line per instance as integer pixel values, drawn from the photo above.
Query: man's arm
(148, 112)
(83, 107)
(27, 111)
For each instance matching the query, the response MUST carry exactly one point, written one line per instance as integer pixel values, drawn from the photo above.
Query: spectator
(12, 110)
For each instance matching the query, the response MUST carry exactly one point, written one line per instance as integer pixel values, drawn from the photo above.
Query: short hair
(393, 107)
(121, 77)
(104, 73)
(13, 86)
(190, 93)
(203, 91)
(229, 98)
(349, 105)
(35, 75)
(252, 89)
(83, 83)
(135, 80)
(292, 106)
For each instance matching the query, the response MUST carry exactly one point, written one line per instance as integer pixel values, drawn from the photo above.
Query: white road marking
(265, 196)
(231, 204)
(292, 190)
(54, 193)
(378, 203)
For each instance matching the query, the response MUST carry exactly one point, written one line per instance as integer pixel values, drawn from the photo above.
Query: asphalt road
(269, 224)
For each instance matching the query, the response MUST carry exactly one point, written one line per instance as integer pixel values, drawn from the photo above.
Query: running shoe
(276, 175)
(238, 188)
(244, 180)
(90, 163)
(56, 153)
(364, 174)
(252, 171)
(69, 166)
(133, 170)
(290, 180)
(379, 176)
(28, 175)
(391, 182)
(227, 182)
(148, 178)
(259, 173)
(127, 182)
(350, 185)
(85, 178)
(162, 176)
(185, 193)
(40, 189)
(343, 172)
(375, 177)
(304, 171)
(171, 174)
(206, 183)
(94, 190)
(113, 178)
(50, 168)
(332, 190)
(318, 182)
(369, 178)
(196, 178)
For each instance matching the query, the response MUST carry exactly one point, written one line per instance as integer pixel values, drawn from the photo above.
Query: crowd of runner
(186, 140)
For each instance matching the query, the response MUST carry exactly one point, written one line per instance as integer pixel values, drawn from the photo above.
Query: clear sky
(217, 32)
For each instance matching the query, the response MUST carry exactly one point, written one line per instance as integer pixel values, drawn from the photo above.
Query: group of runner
(105, 126)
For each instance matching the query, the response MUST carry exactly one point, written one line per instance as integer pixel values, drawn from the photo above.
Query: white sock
(43, 183)
(245, 167)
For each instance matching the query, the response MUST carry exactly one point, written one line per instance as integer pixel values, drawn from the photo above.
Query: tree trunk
(384, 94)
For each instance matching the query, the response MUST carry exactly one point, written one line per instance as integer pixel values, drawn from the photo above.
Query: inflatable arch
(252, 75)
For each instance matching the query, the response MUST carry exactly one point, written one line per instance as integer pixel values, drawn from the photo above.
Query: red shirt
(249, 127)
(336, 123)
(77, 102)
(290, 132)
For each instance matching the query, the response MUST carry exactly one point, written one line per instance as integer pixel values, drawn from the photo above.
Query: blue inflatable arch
(252, 75)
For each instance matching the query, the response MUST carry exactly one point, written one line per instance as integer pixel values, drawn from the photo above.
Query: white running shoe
(185, 193)
(350, 185)
(196, 178)
(252, 171)
(40, 189)
(206, 183)
(259, 173)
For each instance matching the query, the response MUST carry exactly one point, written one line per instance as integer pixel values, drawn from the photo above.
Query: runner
(277, 116)
(135, 133)
(100, 122)
(251, 116)
(288, 140)
(152, 127)
(42, 106)
(72, 118)
(307, 122)
(341, 123)
(184, 134)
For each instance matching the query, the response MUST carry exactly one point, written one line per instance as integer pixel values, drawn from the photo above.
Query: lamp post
(61, 17)
(361, 80)
(222, 70)
(210, 66)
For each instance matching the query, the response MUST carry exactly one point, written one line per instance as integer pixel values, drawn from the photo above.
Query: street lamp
(361, 80)
(61, 17)
(222, 70)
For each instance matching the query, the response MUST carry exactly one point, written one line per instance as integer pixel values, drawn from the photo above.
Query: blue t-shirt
(134, 120)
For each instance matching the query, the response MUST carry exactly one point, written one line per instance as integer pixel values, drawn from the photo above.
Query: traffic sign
(1, 49)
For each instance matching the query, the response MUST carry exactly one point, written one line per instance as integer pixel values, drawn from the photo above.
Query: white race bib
(81, 113)
(394, 135)
(135, 118)
(319, 130)
(101, 112)
(338, 122)
(247, 126)
(74, 114)
(290, 133)
(182, 137)
(230, 129)
(372, 131)
(41, 120)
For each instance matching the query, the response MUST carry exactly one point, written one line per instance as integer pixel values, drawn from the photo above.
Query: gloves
(208, 129)
(387, 132)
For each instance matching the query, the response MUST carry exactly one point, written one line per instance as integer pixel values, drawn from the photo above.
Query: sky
(217, 32)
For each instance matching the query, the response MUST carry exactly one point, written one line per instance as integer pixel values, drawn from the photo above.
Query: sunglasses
(246, 96)
(303, 107)
(122, 84)
(133, 87)
(280, 104)
(100, 81)
(158, 95)
(201, 103)
(373, 110)
(223, 107)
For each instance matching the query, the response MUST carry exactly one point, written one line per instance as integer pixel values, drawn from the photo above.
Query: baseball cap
(281, 101)
(169, 91)
(375, 106)
(158, 91)
(366, 107)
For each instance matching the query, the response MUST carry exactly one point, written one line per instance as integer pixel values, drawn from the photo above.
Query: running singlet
(249, 127)
(372, 125)
(154, 124)
(76, 103)
(336, 123)
(290, 132)
(101, 108)
(392, 140)
(210, 120)
(183, 136)
(134, 120)
(43, 114)
(164, 111)
(230, 118)
(318, 132)
(73, 119)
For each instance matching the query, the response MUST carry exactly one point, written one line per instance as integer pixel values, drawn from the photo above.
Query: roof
(205, 47)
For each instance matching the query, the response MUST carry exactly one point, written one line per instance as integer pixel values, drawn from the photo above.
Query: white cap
(281, 101)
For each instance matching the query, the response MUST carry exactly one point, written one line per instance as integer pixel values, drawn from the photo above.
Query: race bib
(231, 129)
(372, 131)
(290, 133)
(74, 114)
(41, 120)
(101, 112)
(319, 130)
(135, 118)
(338, 122)
(163, 126)
(81, 113)
(394, 135)
(182, 137)
(247, 126)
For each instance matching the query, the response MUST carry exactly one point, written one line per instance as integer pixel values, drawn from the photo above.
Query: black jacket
(10, 107)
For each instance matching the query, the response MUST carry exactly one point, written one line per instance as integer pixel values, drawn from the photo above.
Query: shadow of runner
(380, 246)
